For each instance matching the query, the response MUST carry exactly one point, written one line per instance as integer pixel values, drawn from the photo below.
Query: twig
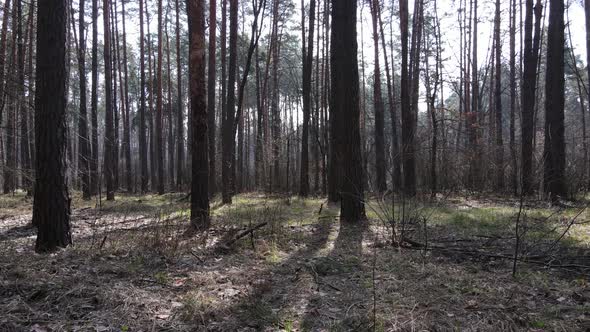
(246, 232)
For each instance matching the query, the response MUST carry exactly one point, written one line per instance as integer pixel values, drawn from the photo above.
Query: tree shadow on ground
(17, 232)
(276, 292)
(342, 302)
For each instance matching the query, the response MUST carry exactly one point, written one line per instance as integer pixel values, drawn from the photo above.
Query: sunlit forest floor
(132, 267)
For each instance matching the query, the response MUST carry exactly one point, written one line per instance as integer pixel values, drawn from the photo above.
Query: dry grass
(131, 269)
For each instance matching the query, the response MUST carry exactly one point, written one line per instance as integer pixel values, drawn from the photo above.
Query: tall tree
(499, 156)
(143, 173)
(159, 148)
(474, 116)
(381, 180)
(3, 38)
(126, 115)
(514, 161)
(345, 108)
(211, 75)
(275, 112)
(109, 138)
(171, 146)
(51, 206)
(198, 95)
(587, 17)
(307, 67)
(179, 103)
(396, 169)
(11, 157)
(529, 78)
(408, 158)
(94, 183)
(25, 155)
(83, 141)
(228, 141)
(554, 182)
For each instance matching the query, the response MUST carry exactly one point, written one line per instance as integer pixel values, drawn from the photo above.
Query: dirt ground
(132, 268)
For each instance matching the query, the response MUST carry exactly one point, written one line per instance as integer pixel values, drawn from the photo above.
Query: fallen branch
(246, 232)
(185, 198)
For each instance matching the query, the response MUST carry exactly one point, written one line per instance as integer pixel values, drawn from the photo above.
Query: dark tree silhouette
(554, 152)
(198, 96)
(211, 91)
(228, 142)
(51, 207)
(94, 182)
(159, 141)
(83, 141)
(307, 66)
(381, 181)
(143, 175)
(344, 104)
(529, 78)
(109, 138)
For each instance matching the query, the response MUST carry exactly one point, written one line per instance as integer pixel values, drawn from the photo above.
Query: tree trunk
(109, 139)
(408, 159)
(381, 180)
(307, 67)
(11, 163)
(498, 103)
(83, 142)
(554, 182)
(276, 116)
(396, 169)
(3, 38)
(51, 206)
(528, 93)
(211, 74)
(198, 95)
(587, 16)
(159, 148)
(513, 158)
(179, 110)
(142, 116)
(228, 141)
(344, 103)
(152, 117)
(473, 181)
(25, 156)
(223, 97)
(126, 121)
(170, 110)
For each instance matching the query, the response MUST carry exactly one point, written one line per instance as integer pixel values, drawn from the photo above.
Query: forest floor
(132, 267)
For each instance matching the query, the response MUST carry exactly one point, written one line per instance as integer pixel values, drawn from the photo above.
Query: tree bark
(228, 141)
(307, 66)
(25, 156)
(159, 148)
(198, 95)
(179, 103)
(211, 74)
(381, 180)
(83, 141)
(408, 160)
(344, 103)
(3, 38)
(554, 183)
(498, 103)
(528, 93)
(513, 158)
(143, 175)
(126, 120)
(390, 76)
(51, 206)
(109, 139)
